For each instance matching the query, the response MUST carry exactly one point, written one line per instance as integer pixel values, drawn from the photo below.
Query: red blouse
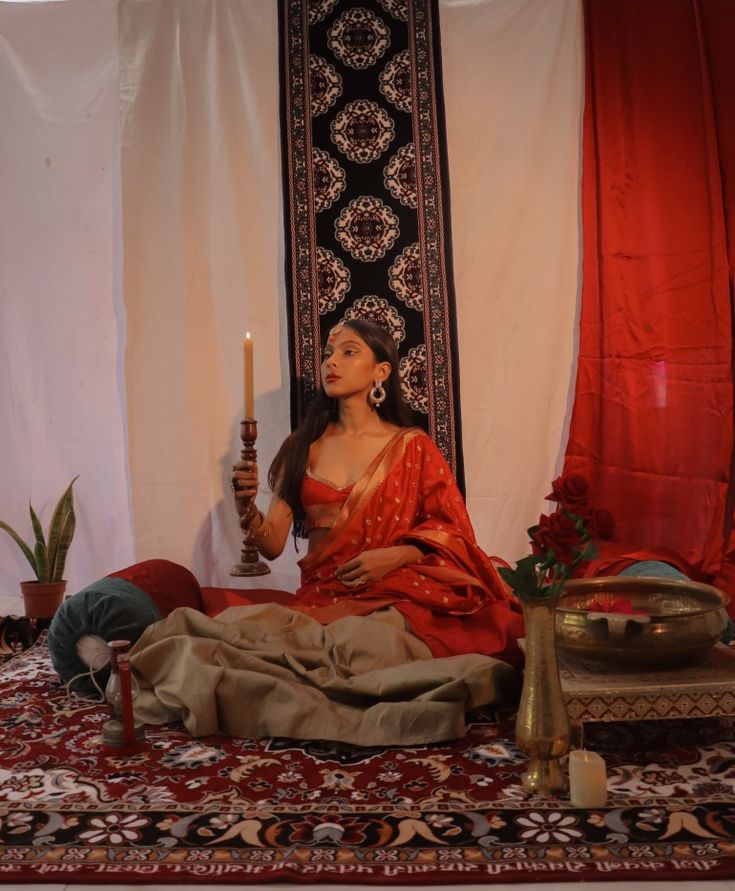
(322, 501)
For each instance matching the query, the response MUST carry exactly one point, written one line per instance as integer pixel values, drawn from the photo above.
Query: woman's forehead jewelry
(335, 331)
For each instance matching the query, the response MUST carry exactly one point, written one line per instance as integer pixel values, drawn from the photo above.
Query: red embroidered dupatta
(452, 597)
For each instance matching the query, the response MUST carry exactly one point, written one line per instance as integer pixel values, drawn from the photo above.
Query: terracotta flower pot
(42, 599)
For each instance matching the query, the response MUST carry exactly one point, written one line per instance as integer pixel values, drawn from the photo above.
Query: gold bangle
(263, 529)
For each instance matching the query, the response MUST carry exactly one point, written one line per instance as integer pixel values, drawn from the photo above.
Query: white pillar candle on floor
(587, 779)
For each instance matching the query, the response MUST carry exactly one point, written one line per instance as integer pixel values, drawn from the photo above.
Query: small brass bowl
(678, 622)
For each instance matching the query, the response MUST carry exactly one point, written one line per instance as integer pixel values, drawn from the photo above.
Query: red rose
(608, 603)
(571, 491)
(559, 532)
(601, 524)
(538, 538)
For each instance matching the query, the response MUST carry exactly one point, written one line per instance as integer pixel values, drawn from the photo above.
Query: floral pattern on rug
(240, 810)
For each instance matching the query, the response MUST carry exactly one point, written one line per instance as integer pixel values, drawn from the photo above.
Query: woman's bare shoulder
(389, 430)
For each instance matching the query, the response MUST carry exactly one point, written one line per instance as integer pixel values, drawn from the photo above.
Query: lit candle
(247, 347)
(587, 779)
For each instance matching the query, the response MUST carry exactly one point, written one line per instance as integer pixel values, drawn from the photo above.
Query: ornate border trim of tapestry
(366, 195)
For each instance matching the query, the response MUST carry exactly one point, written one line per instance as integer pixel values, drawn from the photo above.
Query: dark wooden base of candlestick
(257, 568)
(250, 562)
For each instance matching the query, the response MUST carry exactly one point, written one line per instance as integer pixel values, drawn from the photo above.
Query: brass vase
(542, 723)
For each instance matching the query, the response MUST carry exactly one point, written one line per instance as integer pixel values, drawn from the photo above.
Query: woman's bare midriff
(315, 536)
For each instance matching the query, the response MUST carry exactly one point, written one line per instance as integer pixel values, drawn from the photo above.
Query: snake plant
(48, 555)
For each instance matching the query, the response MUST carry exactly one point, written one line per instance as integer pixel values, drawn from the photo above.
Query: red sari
(452, 597)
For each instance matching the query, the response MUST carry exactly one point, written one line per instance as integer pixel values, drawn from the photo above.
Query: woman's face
(349, 366)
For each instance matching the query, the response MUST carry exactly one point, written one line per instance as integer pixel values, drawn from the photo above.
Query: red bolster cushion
(168, 584)
(215, 600)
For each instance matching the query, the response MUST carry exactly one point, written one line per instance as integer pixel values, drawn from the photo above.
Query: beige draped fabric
(260, 671)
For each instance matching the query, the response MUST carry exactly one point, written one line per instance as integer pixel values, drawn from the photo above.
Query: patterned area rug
(238, 810)
(367, 204)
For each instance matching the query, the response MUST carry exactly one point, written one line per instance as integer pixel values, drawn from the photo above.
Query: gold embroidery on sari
(322, 516)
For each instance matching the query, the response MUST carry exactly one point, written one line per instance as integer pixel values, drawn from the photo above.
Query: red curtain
(652, 423)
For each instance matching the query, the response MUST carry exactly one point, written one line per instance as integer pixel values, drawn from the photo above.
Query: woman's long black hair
(289, 466)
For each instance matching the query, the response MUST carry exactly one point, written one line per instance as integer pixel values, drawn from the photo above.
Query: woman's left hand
(373, 565)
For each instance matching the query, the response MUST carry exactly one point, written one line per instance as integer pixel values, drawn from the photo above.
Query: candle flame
(247, 335)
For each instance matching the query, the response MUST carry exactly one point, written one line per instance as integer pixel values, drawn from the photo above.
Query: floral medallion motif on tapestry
(366, 195)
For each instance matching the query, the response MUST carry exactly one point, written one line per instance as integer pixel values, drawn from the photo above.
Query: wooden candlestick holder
(250, 562)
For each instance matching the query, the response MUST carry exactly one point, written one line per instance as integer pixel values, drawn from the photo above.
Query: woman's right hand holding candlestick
(245, 488)
(269, 533)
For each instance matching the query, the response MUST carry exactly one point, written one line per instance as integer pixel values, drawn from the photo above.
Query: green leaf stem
(48, 556)
(28, 553)
(61, 532)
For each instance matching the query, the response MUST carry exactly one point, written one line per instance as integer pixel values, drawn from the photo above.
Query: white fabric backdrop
(61, 315)
(203, 262)
(513, 76)
(203, 265)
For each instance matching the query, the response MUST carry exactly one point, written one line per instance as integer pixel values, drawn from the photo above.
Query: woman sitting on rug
(386, 523)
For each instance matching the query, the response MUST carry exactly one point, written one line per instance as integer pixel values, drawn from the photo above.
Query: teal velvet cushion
(111, 608)
(655, 568)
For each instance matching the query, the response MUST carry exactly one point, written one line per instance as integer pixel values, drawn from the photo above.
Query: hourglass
(121, 731)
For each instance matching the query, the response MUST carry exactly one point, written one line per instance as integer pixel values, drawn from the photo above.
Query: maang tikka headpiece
(335, 331)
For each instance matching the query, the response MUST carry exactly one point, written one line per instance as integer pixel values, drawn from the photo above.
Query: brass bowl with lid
(672, 622)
